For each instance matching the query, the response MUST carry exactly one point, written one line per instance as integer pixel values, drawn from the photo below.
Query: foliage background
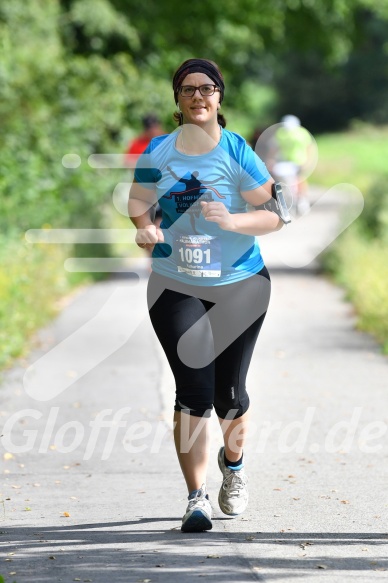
(77, 75)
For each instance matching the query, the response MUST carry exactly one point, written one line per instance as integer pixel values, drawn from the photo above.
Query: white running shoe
(233, 497)
(198, 515)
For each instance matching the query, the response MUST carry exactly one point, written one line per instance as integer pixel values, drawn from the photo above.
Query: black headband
(198, 66)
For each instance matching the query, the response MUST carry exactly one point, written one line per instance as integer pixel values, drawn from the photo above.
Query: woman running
(209, 289)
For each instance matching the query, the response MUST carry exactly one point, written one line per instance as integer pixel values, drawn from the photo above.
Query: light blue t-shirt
(196, 251)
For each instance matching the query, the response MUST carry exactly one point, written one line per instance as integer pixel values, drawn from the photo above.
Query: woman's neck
(195, 140)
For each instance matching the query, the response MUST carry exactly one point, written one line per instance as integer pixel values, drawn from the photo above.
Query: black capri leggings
(208, 335)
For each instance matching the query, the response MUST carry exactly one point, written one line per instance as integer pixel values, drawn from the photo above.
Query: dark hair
(209, 68)
(150, 121)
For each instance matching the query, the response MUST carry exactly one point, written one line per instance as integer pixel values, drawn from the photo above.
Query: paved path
(100, 447)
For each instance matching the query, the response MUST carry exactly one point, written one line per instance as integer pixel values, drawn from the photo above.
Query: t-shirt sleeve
(145, 173)
(254, 172)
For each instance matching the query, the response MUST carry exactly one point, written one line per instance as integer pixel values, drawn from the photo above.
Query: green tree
(326, 96)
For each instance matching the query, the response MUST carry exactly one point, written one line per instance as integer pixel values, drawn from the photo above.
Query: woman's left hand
(216, 212)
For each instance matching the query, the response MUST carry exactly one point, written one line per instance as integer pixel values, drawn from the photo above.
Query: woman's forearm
(256, 223)
(140, 213)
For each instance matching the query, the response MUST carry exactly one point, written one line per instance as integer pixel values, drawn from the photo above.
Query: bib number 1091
(194, 255)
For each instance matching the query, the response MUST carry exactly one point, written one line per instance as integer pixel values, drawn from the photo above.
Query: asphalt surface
(91, 487)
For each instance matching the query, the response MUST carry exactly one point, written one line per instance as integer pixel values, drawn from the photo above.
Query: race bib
(198, 255)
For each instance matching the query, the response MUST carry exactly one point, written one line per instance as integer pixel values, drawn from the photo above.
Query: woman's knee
(231, 403)
(197, 401)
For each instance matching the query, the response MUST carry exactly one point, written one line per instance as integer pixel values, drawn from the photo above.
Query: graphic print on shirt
(187, 201)
(197, 255)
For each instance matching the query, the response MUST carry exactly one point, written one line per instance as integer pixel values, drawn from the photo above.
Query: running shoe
(198, 515)
(233, 496)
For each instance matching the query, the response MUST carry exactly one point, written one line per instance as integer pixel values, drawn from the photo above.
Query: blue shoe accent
(236, 468)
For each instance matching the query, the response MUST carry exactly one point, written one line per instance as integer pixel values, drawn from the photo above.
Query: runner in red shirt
(152, 128)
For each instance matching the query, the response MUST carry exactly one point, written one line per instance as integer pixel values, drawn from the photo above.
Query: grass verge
(357, 156)
(32, 279)
(361, 267)
(358, 259)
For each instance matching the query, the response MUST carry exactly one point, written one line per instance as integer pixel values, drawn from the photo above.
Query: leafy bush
(361, 266)
(374, 218)
(32, 278)
(358, 261)
(52, 102)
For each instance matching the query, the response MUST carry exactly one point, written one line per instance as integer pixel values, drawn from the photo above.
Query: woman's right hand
(149, 236)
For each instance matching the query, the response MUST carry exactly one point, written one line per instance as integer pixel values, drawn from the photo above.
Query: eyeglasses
(205, 90)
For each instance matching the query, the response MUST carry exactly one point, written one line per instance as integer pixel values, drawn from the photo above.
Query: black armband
(277, 203)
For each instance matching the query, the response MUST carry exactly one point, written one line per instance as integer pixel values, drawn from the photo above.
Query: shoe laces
(199, 499)
(234, 482)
